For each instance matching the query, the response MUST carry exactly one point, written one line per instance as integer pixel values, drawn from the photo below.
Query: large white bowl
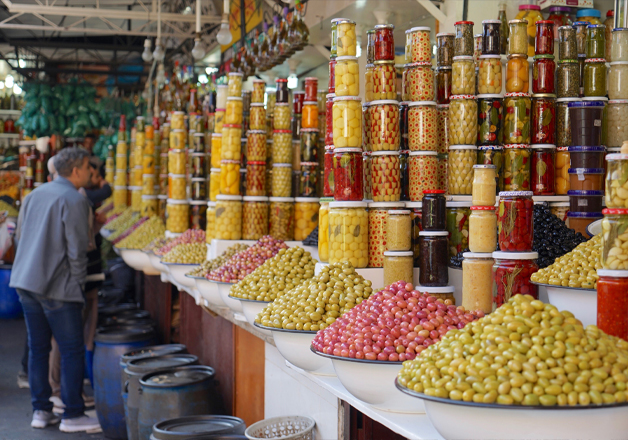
(178, 271)
(251, 309)
(581, 302)
(233, 304)
(373, 382)
(594, 228)
(147, 267)
(134, 258)
(294, 346)
(209, 291)
(116, 250)
(155, 261)
(458, 420)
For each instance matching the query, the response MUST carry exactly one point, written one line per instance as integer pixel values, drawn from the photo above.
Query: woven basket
(282, 428)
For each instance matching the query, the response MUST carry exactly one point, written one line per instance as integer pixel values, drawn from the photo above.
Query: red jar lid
(232, 126)
(256, 162)
(610, 13)
(281, 80)
(595, 60)
(433, 191)
(482, 208)
(615, 211)
(462, 22)
(526, 7)
(282, 131)
(544, 22)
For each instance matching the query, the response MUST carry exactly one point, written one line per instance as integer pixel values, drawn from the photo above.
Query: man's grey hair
(68, 159)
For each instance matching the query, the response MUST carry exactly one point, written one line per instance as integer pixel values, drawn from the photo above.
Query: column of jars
(161, 157)
(120, 176)
(177, 204)
(149, 205)
(433, 241)
(442, 84)
(617, 110)
(137, 171)
(256, 144)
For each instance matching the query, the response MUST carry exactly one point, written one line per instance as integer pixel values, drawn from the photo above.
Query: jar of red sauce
(328, 171)
(612, 302)
(331, 86)
(348, 174)
(544, 41)
(515, 221)
(543, 72)
(543, 182)
(543, 119)
(384, 42)
(298, 98)
(329, 119)
(311, 88)
(511, 276)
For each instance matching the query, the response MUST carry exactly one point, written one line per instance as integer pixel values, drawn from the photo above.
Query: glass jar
(517, 118)
(544, 41)
(323, 230)
(309, 145)
(568, 79)
(560, 210)
(329, 119)
(404, 165)
(328, 172)
(511, 276)
(308, 180)
(177, 186)
(305, 217)
(612, 302)
(491, 41)
(384, 80)
(477, 281)
(418, 82)
(422, 126)
(255, 218)
(231, 145)
(334, 36)
(420, 47)
(563, 122)
(309, 118)
(348, 233)
(259, 90)
(617, 181)
(490, 119)
(543, 119)
(619, 45)
(463, 44)
(543, 180)
(348, 174)
(444, 49)
(310, 86)
(493, 155)
(234, 86)
(382, 130)
(560, 15)
(176, 161)
(517, 171)
(347, 78)
(282, 93)
(618, 80)
(281, 181)
(282, 146)
(442, 128)
(587, 121)
(347, 116)
(256, 145)
(384, 42)
(482, 229)
(433, 258)
(281, 218)
(484, 186)
(149, 205)
(433, 211)
(463, 114)
(515, 221)
(397, 226)
(332, 75)
(216, 150)
(398, 266)
(463, 76)
(581, 37)
(543, 71)
(198, 214)
(378, 221)
(230, 177)
(369, 83)
(281, 116)
(385, 176)
(177, 219)
(531, 14)
(198, 188)
(256, 178)
(595, 77)
(347, 45)
(490, 74)
(234, 111)
(617, 120)
(596, 41)
(517, 74)
(210, 222)
(567, 46)
(518, 37)
(443, 79)
(460, 169)
(423, 173)
(458, 226)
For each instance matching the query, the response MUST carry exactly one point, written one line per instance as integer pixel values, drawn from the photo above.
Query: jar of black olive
(433, 258)
(434, 210)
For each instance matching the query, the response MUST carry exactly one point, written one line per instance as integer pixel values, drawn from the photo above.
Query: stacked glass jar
(149, 205)
(443, 80)
(433, 245)
(120, 175)
(137, 170)
(617, 109)
(162, 159)
(177, 204)
(282, 157)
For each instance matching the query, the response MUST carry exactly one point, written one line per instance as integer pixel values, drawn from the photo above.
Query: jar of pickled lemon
(235, 84)
(305, 217)
(119, 196)
(177, 216)
(177, 186)
(176, 161)
(348, 233)
(347, 117)
(234, 110)
(228, 217)
(230, 177)
(347, 80)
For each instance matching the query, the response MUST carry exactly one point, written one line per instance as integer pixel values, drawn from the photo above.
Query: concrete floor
(15, 406)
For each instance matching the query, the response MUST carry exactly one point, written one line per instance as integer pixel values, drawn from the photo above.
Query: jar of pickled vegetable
(596, 41)
(235, 84)
(308, 180)
(230, 177)
(617, 120)
(328, 171)
(517, 171)
(618, 80)
(490, 119)
(463, 81)
(463, 44)
(482, 229)
(484, 185)
(377, 226)
(329, 119)
(422, 124)
(256, 145)
(259, 90)
(567, 46)
(256, 178)
(418, 83)
(331, 85)
(518, 37)
(477, 281)
(543, 119)
(517, 118)
(423, 173)
(398, 266)
(433, 210)
(309, 118)
(563, 122)
(282, 93)
(463, 127)
(384, 80)
(619, 45)
(177, 186)
(443, 79)
(433, 258)
(281, 183)
(457, 225)
(216, 150)
(543, 181)
(531, 14)
(568, 79)
(612, 307)
(177, 219)
(544, 41)
(460, 169)
(595, 77)
(367, 172)
(281, 216)
(234, 110)
(385, 176)
(404, 165)
(198, 214)
(323, 229)
(442, 128)
(347, 78)
(255, 218)
(493, 155)
(346, 38)
(491, 38)
(617, 181)
(515, 221)
(382, 131)
(176, 161)
(511, 276)
(231, 148)
(282, 146)
(444, 49)
(347, 117)
(281, 116)
(418, 47)
(397, 227)
(149, 205)
(517, 74)
(309, 145)
(348, 233)
(490, 74)
(348, 174)
(305, 217)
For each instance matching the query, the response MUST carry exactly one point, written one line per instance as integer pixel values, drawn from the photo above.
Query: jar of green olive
(595, 77)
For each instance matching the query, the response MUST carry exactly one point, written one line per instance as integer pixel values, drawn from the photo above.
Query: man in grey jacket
(49, 274)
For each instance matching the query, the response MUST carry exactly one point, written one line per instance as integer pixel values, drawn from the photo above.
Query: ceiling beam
(73, 45)
(55, 70)
(87, 30)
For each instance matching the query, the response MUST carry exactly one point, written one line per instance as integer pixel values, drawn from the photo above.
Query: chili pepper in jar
(515, 221)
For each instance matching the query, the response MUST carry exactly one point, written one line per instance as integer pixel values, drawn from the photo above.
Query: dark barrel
(126, 317)
(200, 427)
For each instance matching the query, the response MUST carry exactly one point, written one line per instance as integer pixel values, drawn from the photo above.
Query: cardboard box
(546, 4)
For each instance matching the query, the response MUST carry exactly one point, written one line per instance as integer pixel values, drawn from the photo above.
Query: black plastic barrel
(145, 322)
(110, 344)
(126, 317)
(200, 427)
(137, 368)
(152, 351)
(173, 393)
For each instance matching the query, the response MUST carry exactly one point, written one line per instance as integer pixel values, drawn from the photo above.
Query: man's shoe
(59, 406)
(22, 380)
(88, 401)
(80, 424)
(41, 419)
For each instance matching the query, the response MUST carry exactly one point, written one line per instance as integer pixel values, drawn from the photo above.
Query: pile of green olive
(525, 353)
(285, 271)
(147, 232)
(317, 303)
(188, 253)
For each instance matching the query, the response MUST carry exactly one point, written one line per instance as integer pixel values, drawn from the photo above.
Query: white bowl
(178, 271)
(155, 261)
(251, 309)
(581, 302)
(594, 228)
(116, 250)
(457, 420)
(209, 291)
(232, 303)
(373, 382)
(294, 346)
(134, 258)
(147, 267)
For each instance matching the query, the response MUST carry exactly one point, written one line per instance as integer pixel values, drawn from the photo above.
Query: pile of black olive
(456, 260)
(552, 237)
(312, 239)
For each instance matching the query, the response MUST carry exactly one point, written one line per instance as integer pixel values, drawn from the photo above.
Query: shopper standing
(49, 274)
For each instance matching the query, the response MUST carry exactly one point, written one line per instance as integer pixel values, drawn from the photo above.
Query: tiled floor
(15, 407)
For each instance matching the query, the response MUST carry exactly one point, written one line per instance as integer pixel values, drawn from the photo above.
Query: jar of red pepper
(298, 98)
(543, 119)
(329, 119)
(515, 221)
(511, 276)
(331, 86)
(612, 302)
(543, 71)
(348, 174)
(544, 41)
(543, 169)
(328, 171)
(311, 88)
(384, 42)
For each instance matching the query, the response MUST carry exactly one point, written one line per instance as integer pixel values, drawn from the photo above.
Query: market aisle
(15, 407)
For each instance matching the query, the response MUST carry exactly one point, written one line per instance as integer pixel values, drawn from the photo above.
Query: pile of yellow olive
(146, 233)
(188, 253)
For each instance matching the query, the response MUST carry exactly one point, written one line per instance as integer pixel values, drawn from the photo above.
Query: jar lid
(492, 22)
(463, 147)
(490, 147)
(450, 204)
(515, 255)
(310, 130)
(595, 60)
(399, 212)
(197, 202)
(228, 161)
(441, 289)
(591, 149)
(515, 194)
(445, 34)
(178, 130)
(482, 166)
(559, 204)
(226, 197)
(383, 153)
(420, 28)
(571, 100)
(348, 150)
(329, 147)
(612, 273)
(326, 199)
(194, 154)
(256, 132)
(347, 98)
(584, 193)
(344, 20)
(414, 205)
(177, 176)
(347, 204)
(380, 62)
(237, 74)
(216, 135)
(568, 61)
(618, 63)
(562, 148)
(442, 106)
(615, 211)
(382, 102)
(617, 157)
(200, 134)
(518, 55)
(306, 199)
(543, 57)
(282, 131)
(454, 97)
(230, 125)
(330, 95)
(255, 199)
(516, 146)
(433, 191)
(418, 64)
(517, 95)
(152, 175)
(310, 103)
(176, 202)
(416, 103)
(218, 110)
(618, 101)
(585, 171)
(463, 58)
(544, 95)
(398, 253)
(281, 80)
(517, 21)
(486, 255)
(176, 151)
(542, 146)
(423, 153)
(584, 214)
(281, 104)
(483, 208)
(463, 22)
(619, 29)
(601, 99)
(433, 233)
(373, 205)
(257, 104)
(347, 57)
(528, 6)
(136, 188)
(588, 13)
(235, 98)
(211, 204)
(490, 95)
(148, 197)
(280, 165)
(281, 199)
(119, 188)
(309, 164)
(124, 154)
(439, 68)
